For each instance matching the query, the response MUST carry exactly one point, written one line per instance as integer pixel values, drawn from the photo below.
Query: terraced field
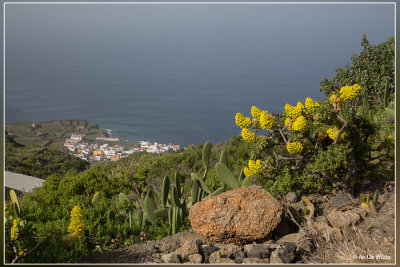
(51, 133)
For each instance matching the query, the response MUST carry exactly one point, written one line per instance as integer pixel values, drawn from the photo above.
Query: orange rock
(238, 216)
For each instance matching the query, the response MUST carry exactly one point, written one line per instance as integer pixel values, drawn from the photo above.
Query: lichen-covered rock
(340, 219)
(228, 250)
(195, 258)
(215, 257)
(291, 197)
(239, 257)
(236, 216)
(275, 257)
(188, 247)
(303, 244)
(288, 252)
(171, 258)
(258, 251)
(206, 251)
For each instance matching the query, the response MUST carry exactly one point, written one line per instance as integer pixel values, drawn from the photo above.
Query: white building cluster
(157, 148)
(79, 147)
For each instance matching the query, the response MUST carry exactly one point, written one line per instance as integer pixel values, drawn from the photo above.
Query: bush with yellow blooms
(20, 235)
(76, 227)
(317, 145)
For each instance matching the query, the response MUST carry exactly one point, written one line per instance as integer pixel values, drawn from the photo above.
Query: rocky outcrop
(238, 216)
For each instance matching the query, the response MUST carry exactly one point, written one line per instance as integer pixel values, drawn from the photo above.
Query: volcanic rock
(215, 257)
(291, 197)
(258, 251)
(206, 251)
(171, 258)
(228, 250)
(288, 252)
(239, 257)
(275, 257)
(195, 258)
(238, 216)
(189, 247)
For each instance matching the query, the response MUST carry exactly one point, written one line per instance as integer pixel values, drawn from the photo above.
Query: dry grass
(375, 236)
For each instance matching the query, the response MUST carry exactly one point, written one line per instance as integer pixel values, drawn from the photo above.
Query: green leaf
(15, 201)
(202, 183)
(206, 155)
(144, 218)
(123, 197)
(170, 219)
(175, 198)
(241, 175)
(174, 220)
(178, 184)
(194, 191)
(226, 176)
(149, 208)
(95, 197)
(247, 182)
(216, 192)
(224, 158)
(165, 191)
(163, 213)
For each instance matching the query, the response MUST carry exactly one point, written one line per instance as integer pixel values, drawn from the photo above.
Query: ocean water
(176, 73)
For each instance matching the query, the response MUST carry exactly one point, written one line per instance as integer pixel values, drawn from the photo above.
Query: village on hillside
(79, 146)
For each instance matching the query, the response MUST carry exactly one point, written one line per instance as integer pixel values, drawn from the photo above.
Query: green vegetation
(51, 134)
(112, 196)
(39, 162)
(335, 143)
(338, 142)
(373, 69)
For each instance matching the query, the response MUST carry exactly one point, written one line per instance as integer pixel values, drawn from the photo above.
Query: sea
(176, 72)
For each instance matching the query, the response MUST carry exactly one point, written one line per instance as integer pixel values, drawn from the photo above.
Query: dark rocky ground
(316, 229)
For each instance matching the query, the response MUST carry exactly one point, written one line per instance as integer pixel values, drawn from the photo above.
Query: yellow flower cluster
(334, 99)
(294, 112)
(350, 92)
(77, 225)
(294, 147)
(254, 167)
(255, 112)
(311, 104)
(288, 121)
(300, 124)
(247, 135)
(242, 121)
(333, 132)
(390, 138)
(267, 121)
(13, 230)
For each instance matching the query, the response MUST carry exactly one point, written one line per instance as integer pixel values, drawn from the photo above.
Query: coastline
(83, 139)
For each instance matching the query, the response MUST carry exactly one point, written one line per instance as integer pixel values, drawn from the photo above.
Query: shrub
(337, 142)
(372, 69)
